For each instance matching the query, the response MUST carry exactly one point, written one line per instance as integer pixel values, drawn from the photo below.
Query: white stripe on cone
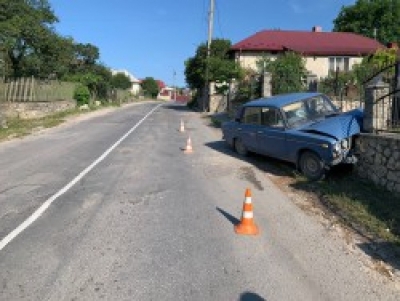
(247, 214)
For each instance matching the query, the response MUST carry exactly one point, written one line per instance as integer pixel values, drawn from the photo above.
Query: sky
(153, 38)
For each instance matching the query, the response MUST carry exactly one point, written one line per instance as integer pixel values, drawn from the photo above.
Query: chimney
(317, 29)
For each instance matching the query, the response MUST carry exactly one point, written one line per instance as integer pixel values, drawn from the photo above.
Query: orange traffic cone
(188, 148)
(182, 128)
(247, 225)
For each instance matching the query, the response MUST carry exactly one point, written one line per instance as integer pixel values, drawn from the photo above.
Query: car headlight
(345, 144)
(336, 149)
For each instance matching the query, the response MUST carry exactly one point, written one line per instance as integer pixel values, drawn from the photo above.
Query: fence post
(396, 97)
(374, 120)
(266, 85)
(32, 89)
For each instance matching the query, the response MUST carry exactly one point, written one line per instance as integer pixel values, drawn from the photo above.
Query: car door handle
(260, 132)
(239, 129)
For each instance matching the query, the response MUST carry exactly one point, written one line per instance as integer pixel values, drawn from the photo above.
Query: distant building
(324, 52)
(135, 88)
(170, 93)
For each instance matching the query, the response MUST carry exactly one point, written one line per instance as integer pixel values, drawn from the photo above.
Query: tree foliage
(220, 67)
(82, 95)
(121, 81)
(383, 59)
(366, 17)
(150, 87)
(25, 26)
(381, 62)
(29, 46)
(288, 73)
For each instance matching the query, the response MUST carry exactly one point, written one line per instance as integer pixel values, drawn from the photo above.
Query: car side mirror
(237, 120)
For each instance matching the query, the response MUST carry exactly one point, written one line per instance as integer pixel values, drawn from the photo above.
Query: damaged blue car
(303, 128)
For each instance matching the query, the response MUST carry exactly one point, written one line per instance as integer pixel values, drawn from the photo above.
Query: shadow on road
(177, 107)
(385, 251)
(228, 216)
(249, 296)
(263, 163)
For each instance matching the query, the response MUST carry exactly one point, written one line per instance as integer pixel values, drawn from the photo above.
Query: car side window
(252, 115)
(271, 117)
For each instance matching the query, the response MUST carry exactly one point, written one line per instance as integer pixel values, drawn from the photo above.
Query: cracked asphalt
(152, 223)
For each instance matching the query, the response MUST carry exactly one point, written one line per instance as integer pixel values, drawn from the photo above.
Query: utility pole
(174, 87)
(210, 33)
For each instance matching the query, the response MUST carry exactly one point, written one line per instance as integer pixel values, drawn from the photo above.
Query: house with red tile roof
(324, 52)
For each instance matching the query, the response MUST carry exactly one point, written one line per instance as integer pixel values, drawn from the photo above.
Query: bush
(82, 95)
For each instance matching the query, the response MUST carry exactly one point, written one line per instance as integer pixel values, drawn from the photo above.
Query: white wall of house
(320, 66)
(317, 65)
(135, 88)
(249, 59)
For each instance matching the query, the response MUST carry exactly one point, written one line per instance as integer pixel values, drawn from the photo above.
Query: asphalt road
(144, 221)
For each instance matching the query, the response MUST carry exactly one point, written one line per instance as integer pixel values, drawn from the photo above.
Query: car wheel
(312, 166)
(240, 148)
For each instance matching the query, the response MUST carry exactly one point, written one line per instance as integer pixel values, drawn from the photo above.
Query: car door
(249, 125)
(271, 135)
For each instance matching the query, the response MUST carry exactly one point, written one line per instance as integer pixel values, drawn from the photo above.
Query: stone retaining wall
(37, 109)
(380, 160)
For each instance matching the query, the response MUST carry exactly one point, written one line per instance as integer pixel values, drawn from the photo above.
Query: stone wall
(37, 109)
(380, 160)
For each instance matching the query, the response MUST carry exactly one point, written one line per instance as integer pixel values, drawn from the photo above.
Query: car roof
(280, 100)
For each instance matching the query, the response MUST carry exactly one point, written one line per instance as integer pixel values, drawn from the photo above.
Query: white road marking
(35, 215)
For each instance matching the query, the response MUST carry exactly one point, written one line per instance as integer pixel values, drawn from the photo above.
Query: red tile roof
(161, 84)
(309, 43)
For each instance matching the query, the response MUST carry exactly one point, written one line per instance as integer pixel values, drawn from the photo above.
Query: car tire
(240, 148)
(312, 166)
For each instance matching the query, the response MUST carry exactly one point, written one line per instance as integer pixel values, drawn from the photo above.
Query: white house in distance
(135, 88)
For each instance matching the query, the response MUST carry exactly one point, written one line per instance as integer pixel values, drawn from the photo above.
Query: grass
(371, 210)
(20, 127)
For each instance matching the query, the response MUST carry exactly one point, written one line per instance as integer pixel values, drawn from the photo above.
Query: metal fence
(386, 113)
(31, 89)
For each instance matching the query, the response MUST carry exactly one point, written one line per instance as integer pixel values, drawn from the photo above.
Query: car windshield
(307, 110)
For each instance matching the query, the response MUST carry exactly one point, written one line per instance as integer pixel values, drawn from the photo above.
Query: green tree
(150, 87)
(53, 58)
(220, 67)
(367, 17)
(97, 79)
(24, 24)
(288, 73)
(121, 81)
(86, 54)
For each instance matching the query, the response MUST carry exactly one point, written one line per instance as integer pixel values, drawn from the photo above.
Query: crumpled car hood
(339, 127)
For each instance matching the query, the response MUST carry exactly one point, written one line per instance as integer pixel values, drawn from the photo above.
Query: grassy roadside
(360, 205)
(19, 127)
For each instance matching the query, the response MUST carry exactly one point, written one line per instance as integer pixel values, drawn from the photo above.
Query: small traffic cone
(182, 128)
(188, 148)
(247, 225)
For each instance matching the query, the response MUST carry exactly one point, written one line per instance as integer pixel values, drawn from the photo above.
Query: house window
(341, 63)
